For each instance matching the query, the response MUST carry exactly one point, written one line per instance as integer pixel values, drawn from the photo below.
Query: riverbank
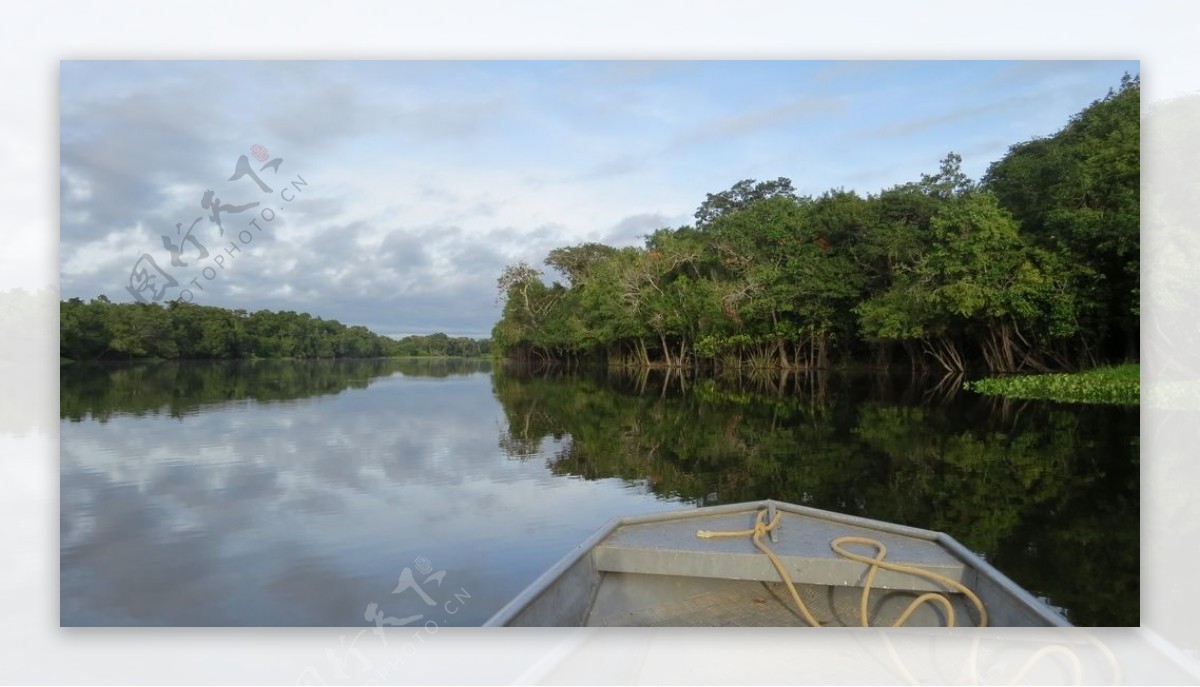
(1119, 385)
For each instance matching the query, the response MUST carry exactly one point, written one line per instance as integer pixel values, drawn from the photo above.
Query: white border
(34, 37)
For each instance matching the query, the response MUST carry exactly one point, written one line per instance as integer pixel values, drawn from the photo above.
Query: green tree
(1077, 193)
(987, 281)
(527, 301)
(740, 196)
(577, 263)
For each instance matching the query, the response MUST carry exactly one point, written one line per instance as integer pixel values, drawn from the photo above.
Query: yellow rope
(877, 562)
(761, 527)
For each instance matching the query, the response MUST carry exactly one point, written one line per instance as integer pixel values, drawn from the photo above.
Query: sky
(399, 191)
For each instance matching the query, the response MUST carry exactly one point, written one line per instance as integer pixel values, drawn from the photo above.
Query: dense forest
(101, 330)
(1032, 268)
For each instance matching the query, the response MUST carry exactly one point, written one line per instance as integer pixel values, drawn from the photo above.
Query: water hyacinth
(1118, 385)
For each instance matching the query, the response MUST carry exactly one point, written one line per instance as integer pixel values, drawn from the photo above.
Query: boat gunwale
(544, 581)
(981, 567)
(985, 569)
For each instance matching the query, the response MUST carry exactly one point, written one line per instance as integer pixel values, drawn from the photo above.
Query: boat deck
(802, 543)
(656, 601)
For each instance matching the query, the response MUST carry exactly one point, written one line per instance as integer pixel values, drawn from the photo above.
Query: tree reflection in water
(1047, 492)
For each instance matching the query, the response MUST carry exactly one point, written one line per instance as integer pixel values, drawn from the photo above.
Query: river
(410, 492)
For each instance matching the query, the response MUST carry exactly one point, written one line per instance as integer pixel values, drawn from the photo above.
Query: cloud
(720, 130)
(322, 111)
(451, 120)
(617, 166)
(120, 160)
(1064, 72)
(327, 111)
(753, 122)
(625, 73)
(631, 230)
(913, 126)
(837, 72)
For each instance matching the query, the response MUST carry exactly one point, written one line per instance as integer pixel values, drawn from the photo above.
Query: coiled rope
(761, 527)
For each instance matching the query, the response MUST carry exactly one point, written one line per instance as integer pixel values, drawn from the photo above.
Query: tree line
(1034, 267)
(102, 330)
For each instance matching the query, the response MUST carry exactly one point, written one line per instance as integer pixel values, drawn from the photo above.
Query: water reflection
(1047, 492)
(189, 510)
(298, 493)
(177, 388)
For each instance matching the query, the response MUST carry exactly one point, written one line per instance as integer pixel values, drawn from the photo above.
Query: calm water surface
(402, 492)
